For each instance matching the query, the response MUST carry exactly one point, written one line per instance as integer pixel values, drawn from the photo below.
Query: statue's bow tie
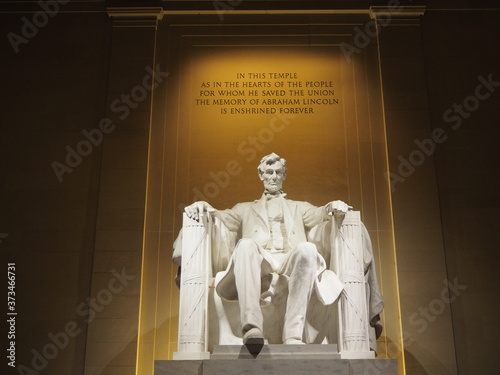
(275, 195)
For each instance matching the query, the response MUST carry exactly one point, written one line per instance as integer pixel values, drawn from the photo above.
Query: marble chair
(346, 314)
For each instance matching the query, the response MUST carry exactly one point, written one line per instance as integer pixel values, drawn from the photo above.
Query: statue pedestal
(276, 351)
(277, 360)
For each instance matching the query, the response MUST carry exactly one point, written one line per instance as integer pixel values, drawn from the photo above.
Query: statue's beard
(273, 191)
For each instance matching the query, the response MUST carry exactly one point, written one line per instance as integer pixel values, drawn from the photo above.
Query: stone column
(114, 338)
(353, 334)
(195, 279)
(411, 142)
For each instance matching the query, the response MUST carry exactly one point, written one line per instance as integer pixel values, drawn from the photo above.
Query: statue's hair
(270, 160)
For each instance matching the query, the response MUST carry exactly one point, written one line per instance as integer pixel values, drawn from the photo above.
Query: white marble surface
(278, 367)
(277, 351)
(276, 255)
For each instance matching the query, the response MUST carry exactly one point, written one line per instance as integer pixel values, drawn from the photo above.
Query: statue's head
(272, 172)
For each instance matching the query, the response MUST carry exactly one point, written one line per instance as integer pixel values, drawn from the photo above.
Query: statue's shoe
(253, 336)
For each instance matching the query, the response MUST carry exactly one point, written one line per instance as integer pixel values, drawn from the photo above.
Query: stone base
(278, 367)
(179, 356)
(276, 351)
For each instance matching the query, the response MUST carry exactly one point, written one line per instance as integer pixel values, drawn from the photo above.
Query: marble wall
(53, 88)
(465, 71)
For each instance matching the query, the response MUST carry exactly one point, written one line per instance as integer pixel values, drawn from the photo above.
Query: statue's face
(273, 177)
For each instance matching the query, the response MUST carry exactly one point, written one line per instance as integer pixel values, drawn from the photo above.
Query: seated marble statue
(273, 241)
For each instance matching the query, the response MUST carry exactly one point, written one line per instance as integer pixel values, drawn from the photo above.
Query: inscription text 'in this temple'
(254, 93)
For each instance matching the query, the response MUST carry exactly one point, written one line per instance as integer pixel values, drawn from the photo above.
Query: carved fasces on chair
(195, 281)
(347, 261)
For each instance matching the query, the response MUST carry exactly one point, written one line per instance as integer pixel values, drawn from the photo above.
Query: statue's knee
(306, 250)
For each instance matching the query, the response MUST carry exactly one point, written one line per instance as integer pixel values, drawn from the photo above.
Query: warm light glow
(232, 106)
(287, 100)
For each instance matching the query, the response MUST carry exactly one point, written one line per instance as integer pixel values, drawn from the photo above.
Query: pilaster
(411, 142)
(133, 76)
(135, 16)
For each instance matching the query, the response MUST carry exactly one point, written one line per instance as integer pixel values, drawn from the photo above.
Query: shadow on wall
(414, 367)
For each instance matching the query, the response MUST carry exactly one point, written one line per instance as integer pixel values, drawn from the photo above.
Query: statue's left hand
(337, 208)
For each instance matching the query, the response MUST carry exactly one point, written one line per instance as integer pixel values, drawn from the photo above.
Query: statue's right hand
(195, 210)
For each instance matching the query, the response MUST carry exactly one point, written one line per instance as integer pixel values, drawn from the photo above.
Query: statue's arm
(230, 217)
(313, 215)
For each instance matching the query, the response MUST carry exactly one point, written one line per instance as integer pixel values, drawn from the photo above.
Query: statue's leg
(301, 267)
(247, 262)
